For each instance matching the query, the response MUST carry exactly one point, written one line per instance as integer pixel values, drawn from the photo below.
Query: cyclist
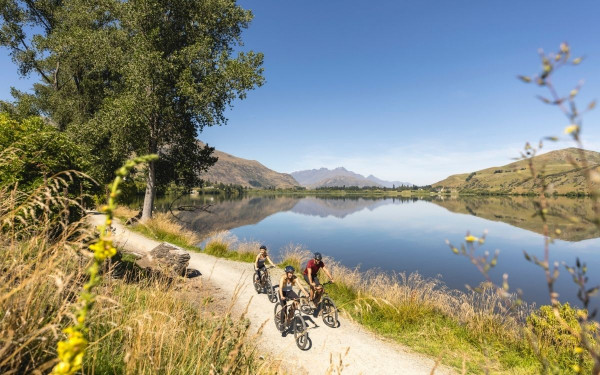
(286, 290)
(310, 276)
(259, 262)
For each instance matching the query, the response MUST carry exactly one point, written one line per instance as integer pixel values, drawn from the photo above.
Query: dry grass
(133, 328)
(161, 227)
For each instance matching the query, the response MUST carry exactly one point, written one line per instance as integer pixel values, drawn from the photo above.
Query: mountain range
(323, 177)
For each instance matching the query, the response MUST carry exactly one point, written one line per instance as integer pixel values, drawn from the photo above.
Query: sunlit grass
(162, 227)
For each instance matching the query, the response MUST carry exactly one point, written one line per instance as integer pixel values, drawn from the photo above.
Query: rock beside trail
(166, 258)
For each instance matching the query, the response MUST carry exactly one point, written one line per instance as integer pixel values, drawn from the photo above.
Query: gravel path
(349, 349)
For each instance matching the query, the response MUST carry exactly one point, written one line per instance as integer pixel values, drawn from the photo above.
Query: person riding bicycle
(259, 262)
(286, 290)
(310, 276)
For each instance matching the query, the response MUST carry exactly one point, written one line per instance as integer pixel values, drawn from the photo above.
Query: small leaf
(547, 101)
(573, 93)
(577, 60)
(524, 79)
(592, 105)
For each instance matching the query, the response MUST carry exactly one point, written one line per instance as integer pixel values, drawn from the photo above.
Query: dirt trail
(360, 351)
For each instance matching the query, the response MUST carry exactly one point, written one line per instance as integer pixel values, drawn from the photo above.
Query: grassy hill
(230, 169)
(515, 178)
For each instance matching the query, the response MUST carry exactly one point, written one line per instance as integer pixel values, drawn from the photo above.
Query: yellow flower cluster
(70, 352)
(103, 249)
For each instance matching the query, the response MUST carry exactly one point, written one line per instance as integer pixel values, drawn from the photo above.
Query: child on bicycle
(310, 276)
(259, 262)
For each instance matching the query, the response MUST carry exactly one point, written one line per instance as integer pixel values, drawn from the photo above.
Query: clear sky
(406, 90)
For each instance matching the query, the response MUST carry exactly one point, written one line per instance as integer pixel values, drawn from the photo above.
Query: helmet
(318, 256)
(290, 269)
(263, 247)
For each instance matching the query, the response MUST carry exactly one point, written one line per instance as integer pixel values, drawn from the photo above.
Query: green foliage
(129, 77)
(222, 250)
(544, 324)
(217, 249)
(557, 339)
(37, 150)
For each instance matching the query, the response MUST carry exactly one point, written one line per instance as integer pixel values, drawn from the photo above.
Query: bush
(35, 150)
(555, 340)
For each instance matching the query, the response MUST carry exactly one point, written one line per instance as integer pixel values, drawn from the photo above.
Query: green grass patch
(222, 250)
(165, 236)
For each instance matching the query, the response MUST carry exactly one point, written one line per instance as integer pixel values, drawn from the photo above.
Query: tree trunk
(150, 193)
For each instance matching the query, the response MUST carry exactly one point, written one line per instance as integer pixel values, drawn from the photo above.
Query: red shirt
(314, 267)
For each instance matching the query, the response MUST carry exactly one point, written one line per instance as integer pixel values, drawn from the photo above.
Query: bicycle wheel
(300, 332)
(278, 317)
(271, 291)
(256, 282)
(305, 306)
(329, 312)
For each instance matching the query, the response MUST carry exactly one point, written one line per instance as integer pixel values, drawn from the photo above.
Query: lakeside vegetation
(139, 324)
(464, 329)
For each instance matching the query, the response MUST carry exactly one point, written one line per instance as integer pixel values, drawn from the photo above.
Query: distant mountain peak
(340, 176)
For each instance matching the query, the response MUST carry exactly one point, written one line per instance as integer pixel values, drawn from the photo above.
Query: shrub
(36, 150)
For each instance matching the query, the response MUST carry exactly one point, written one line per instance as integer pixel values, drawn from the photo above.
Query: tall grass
(162, 227)
(145, 327)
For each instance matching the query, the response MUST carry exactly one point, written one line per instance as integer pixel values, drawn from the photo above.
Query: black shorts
(315, 279)
(288, 296)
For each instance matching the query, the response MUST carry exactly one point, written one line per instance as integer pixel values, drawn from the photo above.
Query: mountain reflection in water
(226, 214)
(408, 234)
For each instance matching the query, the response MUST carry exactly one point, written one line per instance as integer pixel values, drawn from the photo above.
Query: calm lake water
(408, 235)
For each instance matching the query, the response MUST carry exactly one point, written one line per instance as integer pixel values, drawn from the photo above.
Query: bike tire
(271, 291)
(256, 283)
(278, 318)
(329, 312)
(300, 332)
(305, 306)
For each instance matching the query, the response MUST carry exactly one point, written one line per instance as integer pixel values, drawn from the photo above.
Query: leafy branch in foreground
(578, 323)
(72, 350)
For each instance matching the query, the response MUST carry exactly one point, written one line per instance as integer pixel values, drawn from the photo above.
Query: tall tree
(143, 76)
(180, 74)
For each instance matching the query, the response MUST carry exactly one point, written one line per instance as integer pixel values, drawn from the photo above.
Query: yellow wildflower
(471, 238)
(572, 129)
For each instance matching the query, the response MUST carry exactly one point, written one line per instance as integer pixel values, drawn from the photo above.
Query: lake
(408, 234)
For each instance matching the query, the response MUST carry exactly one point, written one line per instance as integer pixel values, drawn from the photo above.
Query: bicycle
(294, 320)
(326, 308)
(265, 284)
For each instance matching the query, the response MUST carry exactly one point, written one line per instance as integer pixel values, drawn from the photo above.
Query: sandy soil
(349, 349)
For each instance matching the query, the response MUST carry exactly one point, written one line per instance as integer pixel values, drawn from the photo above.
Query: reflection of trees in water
(518, 211)
(225, 214)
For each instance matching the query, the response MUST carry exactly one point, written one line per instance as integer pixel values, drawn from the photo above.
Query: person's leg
(262, 274)
(318, 290)
(311, 292)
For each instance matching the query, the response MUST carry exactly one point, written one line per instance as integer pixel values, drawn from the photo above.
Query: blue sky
(405, 90)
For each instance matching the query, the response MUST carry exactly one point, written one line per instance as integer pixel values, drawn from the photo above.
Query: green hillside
(515, 178)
